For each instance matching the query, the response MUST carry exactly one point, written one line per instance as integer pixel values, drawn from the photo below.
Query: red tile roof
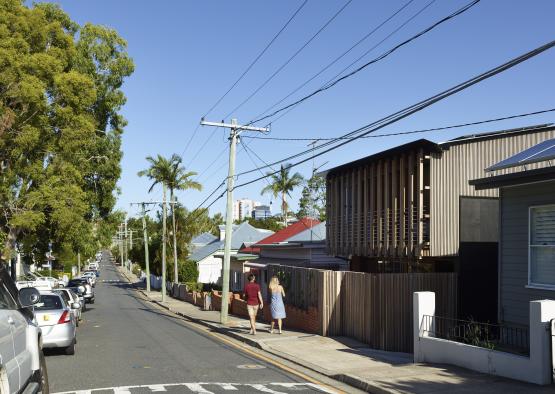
(282, 235)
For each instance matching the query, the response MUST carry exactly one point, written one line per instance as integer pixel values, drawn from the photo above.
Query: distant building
(243, 208)
(210, 257)
(261, 212)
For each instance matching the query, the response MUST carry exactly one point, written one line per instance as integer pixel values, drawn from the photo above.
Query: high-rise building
(242, 208)
(261, 212)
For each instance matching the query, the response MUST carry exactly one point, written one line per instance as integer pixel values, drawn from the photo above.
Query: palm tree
(159, 172)
(180, 179)
(282, 183)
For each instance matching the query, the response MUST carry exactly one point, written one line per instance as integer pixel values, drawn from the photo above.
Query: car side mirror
(75, 305)
(28, 296)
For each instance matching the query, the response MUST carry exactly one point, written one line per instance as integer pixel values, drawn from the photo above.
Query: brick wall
(297, 318)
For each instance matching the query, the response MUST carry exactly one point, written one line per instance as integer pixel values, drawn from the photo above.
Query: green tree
(313, 198)
(160, 172)
(60, 128)
(180, 179)
(282, 183)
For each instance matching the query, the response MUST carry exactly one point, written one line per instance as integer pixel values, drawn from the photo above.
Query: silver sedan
(56, 322)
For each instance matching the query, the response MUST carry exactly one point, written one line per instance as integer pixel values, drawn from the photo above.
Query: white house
(209, 258)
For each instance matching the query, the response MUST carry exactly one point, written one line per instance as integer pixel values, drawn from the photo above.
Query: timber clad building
(411, 208)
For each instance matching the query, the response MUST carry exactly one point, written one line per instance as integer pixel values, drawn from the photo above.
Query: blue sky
(188, 53)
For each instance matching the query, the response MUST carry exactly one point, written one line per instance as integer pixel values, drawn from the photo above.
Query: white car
(91, 276)
(22, 364)
(57, 322)
(72, 300)
(48, 279)
(31, 281)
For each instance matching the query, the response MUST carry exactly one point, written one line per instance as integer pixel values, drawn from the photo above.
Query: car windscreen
(49, 302)
(76, 283)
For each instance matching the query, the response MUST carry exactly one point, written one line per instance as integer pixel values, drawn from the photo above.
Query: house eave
(545, 174)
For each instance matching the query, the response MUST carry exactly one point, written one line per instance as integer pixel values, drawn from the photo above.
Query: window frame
(532, 285)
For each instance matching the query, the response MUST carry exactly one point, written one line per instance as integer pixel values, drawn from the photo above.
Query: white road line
(313, 385)
(156, 388)
(227, 386)
(197, 388)
(264, 389)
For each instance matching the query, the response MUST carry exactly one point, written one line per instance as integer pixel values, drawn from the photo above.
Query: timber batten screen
(380, 208)
(402, 205)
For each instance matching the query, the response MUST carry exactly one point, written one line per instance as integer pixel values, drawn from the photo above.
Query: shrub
(188, 272)
(194, 286)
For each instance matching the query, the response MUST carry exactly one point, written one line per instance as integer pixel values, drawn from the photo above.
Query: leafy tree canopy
(60, 128)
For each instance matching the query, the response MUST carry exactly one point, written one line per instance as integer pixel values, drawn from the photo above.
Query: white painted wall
(209, 269)
(533, 369)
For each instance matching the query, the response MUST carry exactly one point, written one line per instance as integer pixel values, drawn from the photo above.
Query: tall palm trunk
(284, 208)
(163, 242)
(175, 271)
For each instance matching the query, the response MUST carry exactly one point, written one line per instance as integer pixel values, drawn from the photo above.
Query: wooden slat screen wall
(376, 209)
(373, 308)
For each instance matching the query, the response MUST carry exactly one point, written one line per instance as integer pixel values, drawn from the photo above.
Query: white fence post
(541, 313)
(424, 303)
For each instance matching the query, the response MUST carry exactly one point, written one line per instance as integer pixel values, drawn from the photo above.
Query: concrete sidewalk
(348, 360)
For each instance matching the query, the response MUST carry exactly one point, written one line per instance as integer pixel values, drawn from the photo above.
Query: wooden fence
(373, 308)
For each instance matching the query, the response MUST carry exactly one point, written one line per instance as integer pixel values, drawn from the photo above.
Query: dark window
(49, 302)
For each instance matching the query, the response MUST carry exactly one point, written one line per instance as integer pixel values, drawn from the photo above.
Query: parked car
(42, 279)
(88, 295)
(22, 363)
(56, 322)
(80, 291)
(90, 275)
(72, 300)
(30, 281)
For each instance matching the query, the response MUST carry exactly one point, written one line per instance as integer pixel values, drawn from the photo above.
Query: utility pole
(120, 242)
(125, 248)
(235, 131)
(78, 263)
(163, 242)
(145, 236)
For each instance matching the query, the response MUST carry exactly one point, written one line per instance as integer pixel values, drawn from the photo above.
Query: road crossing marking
(201, 389)
(157, 388)
(264, 389)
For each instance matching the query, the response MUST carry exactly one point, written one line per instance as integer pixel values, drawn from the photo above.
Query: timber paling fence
(373, 308)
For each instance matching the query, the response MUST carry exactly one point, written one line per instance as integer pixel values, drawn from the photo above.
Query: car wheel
(70, 350)
(92, 301)
(41, 376)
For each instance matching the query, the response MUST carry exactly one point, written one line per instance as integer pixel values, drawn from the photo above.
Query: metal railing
(490, 336)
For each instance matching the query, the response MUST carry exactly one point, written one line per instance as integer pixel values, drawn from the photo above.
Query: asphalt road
(127, 345)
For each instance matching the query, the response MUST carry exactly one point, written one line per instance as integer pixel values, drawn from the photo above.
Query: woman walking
(276, 303)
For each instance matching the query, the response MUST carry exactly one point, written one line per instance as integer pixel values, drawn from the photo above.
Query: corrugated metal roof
(497, 134)
(204, 238)
(242, 234)
(316, 233)
(421, 143)
(284, 234)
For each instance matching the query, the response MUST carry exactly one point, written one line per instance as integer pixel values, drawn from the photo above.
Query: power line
(245, 72)
(360, 41)
(331, 84)
(397, 116)
(289, 60)
(407, 132)
(256, 59)
(210, 136)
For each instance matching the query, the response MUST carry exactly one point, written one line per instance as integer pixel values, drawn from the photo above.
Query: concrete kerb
(351, 380)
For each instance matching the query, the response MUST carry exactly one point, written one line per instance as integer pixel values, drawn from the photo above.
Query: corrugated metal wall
(450, 172)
